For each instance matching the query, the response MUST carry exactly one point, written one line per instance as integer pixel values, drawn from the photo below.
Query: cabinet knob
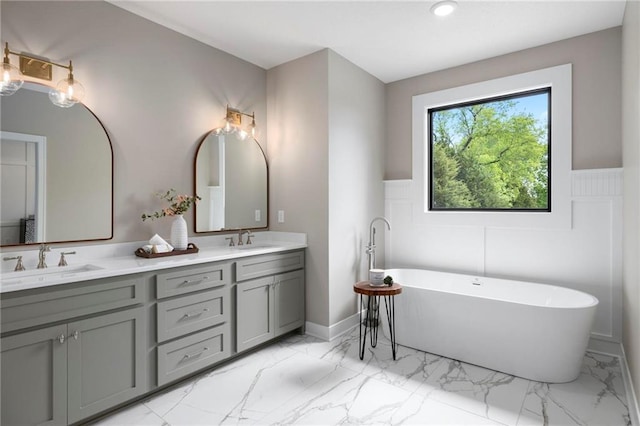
(61, 338)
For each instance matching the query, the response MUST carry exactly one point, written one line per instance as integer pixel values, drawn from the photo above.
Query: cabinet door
(254, 312)
(34, 378)
(289, 295)
(105, 362)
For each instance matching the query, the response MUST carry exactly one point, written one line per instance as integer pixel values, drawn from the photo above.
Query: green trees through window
(492, 154)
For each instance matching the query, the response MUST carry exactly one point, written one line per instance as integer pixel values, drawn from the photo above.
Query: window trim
(559, 80)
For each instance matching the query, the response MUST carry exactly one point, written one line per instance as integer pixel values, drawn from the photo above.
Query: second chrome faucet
(42, 254)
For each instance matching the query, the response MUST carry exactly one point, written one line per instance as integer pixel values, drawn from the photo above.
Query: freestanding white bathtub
(535, 331)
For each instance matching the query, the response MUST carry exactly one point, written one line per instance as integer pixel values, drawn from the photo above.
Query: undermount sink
(47, 274)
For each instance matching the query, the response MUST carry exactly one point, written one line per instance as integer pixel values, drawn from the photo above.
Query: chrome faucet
(42, 255)
(371, 247)
(241, 233)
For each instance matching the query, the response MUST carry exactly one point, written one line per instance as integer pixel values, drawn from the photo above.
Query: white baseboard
(632, 399)
(604, 346)
(616, 349)
(334, 331)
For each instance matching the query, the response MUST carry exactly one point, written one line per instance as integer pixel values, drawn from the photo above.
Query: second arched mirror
(231, 177)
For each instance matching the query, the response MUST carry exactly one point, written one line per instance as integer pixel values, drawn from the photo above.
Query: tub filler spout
(371, 247)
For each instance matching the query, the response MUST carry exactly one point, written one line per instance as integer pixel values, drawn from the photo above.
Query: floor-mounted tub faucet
(371, 247)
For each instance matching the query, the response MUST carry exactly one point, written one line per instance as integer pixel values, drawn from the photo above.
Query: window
(491, 154)
(536, 196)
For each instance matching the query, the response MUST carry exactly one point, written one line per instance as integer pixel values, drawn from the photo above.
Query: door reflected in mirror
(231, 177)
(56, 170)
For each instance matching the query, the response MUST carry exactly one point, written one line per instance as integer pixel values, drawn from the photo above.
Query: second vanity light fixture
(233, 124)
(67, 92)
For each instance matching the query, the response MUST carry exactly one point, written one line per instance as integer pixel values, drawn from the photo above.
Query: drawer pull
(195, 314)
(191, 282)
(196, 354)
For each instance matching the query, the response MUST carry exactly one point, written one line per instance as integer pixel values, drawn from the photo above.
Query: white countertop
(109, 260)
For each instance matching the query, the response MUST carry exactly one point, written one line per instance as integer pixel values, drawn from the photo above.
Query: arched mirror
(56, 171)
(231, 177)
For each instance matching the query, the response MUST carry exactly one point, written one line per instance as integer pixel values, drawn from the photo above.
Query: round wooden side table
(372, 317)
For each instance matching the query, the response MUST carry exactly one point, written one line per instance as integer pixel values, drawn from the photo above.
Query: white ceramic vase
(179, 238)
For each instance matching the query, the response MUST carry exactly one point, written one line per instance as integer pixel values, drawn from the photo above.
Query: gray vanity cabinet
(73, 351)
(268, 305)
(82, 365)
(62, 374)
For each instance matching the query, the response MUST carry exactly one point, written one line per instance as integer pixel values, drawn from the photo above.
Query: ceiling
(390, 39)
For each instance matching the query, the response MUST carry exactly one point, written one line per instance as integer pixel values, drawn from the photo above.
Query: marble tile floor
(306, 381)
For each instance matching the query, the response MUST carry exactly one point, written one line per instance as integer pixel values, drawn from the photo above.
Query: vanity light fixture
(67, 92)
(444, 8)
(233, 123)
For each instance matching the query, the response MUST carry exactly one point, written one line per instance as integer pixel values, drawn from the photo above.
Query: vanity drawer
(192, 279)
(269, 264)
(192, 353)
(43, 306)
(186, 314)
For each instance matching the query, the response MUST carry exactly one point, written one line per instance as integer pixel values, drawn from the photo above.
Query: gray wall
(631, 145)
(326, 123)
(596, 60)
(157, 93)
(356, 167)
(299, 166)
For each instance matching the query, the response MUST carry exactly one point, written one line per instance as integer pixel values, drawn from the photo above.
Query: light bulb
(11, 79)
(242, 135)
(67, 92)
(66, 95)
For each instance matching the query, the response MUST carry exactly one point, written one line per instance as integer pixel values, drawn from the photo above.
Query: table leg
(391, 319)
(374, 320)
(362, 342)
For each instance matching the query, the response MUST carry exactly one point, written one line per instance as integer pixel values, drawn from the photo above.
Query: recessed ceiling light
(444, 8)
